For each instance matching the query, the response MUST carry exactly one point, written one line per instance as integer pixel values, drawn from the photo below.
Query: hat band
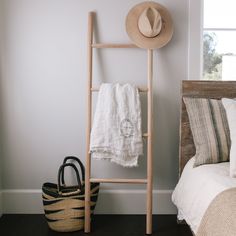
(150, 23)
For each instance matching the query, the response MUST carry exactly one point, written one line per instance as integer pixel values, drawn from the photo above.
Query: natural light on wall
(219, 40)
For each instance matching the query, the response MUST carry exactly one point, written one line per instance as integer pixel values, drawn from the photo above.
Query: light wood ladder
(149, 180)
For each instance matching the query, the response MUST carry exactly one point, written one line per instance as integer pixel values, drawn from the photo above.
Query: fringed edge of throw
(116, 157)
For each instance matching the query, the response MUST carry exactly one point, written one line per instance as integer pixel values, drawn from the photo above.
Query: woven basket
(64, 205)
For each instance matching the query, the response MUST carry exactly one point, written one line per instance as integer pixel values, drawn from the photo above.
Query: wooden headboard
(198, 89)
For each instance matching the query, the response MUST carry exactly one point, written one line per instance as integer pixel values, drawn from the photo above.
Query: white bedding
(196, 189)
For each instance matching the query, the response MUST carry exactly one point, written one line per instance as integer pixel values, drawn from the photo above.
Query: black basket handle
(61, 175)
(80, 164)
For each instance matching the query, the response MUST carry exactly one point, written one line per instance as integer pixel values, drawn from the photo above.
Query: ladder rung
(128, 181)
(113, 45)
(140, 89)
(145, 135)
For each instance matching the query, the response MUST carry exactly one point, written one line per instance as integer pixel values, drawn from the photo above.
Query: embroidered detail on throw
(126, 128)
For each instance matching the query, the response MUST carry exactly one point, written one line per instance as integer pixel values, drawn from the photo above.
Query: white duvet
(196, 189)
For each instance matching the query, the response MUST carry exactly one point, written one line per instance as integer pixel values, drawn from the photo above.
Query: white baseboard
(1, 210)
(21, 201)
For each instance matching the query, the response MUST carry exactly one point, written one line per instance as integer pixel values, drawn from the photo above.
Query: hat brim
(138, 38)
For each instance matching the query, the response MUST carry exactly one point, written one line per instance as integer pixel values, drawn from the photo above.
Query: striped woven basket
(64, 205)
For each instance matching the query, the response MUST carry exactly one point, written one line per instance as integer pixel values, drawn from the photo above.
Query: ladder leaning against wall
(149, 179)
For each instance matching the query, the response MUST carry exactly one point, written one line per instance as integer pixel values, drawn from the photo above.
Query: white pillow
(230, 107)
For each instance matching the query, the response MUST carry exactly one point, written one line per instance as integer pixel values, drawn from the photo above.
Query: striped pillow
(209, 126)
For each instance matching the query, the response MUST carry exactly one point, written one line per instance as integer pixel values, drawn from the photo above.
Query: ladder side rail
(149, 143)
(87, 227)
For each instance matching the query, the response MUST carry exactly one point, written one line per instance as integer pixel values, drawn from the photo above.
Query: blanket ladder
(149, 180)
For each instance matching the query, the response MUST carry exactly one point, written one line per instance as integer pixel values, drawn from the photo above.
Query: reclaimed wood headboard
(198, 89)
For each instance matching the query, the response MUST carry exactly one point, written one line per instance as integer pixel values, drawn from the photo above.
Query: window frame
(196, 29)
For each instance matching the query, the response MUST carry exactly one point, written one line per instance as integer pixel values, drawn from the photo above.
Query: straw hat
(149, 25)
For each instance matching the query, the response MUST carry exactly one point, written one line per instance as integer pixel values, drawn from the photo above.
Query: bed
(206, 195)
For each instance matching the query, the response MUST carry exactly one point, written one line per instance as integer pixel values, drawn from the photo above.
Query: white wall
(1, 34)
(43, 92)
(195, 58)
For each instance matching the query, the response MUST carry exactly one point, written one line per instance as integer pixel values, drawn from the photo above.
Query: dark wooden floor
(103, 225)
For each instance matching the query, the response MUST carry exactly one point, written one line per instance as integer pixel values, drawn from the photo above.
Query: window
(219, 40)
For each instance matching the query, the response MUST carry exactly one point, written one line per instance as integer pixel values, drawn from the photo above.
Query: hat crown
(150, 22)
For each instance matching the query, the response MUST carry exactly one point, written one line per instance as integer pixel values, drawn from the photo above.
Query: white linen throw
(116, 133)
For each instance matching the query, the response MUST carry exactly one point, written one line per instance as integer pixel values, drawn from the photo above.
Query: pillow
(209, 126)
(230, 107)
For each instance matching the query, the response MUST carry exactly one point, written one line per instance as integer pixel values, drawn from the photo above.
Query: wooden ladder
(149, 180)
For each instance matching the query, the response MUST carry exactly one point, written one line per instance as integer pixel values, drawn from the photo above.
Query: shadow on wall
(99, 58)
(166, 112)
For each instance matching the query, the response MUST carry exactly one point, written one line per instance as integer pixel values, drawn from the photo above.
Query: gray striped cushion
(210, 130)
